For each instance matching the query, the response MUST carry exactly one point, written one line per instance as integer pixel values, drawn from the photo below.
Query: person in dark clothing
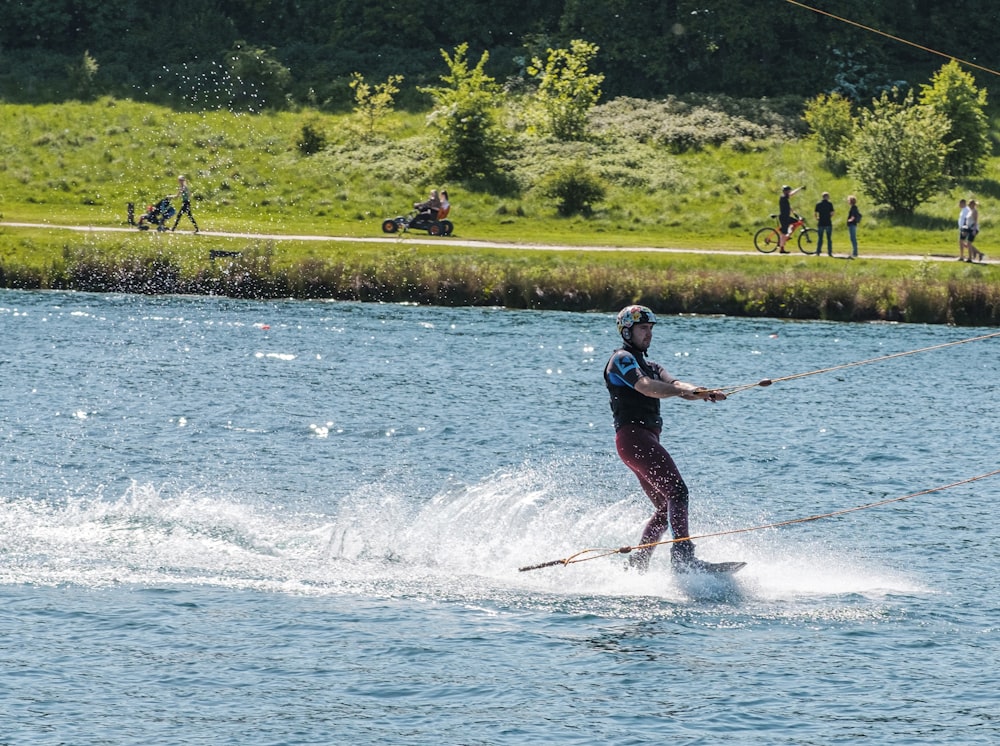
(184, 193)
(636, 386)
(824, 224)
(853, 221)
(785, 215)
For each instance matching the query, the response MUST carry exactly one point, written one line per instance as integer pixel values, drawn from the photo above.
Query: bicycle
(766, 239)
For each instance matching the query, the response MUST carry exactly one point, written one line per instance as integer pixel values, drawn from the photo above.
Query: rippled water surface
(301, 523)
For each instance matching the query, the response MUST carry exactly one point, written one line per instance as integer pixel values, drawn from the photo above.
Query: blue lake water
(229, 522)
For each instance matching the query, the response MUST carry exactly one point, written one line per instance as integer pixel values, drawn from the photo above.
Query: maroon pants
(640, 449)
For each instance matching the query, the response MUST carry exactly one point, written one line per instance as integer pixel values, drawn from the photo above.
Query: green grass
(79, 164)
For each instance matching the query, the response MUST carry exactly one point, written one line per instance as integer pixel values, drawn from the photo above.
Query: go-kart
(418, 221)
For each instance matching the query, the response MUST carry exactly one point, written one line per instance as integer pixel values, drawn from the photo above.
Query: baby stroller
(158, 215)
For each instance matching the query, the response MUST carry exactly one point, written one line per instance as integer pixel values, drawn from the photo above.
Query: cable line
(770, 381)
(890, 36)
(591, 554)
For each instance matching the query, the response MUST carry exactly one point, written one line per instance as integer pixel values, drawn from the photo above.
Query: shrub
(266, 81)
(576, 188)
(683, 126)
(567, 91)
(898, 153)
(312, 140)
(952, 93)
(832, 125)
(82, 75)
(373, 103)
(470, 141)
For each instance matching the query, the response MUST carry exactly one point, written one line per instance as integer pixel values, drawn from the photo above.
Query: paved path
(410, 238)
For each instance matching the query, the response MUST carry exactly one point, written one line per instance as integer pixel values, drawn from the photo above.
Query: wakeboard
(715, 568)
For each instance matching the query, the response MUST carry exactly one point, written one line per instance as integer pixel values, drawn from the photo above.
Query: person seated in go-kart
(427, 211)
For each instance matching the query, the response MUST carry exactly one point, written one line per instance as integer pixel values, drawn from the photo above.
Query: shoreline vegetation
(925, 291)
(79, 164)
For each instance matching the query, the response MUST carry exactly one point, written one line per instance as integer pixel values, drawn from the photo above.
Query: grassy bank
(80, 164)
(792, 287)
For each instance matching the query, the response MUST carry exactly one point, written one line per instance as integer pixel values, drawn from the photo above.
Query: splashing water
(465, 542)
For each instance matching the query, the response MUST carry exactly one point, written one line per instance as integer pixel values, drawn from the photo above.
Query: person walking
(636, 386)
(972, 230)
(824, 224)
(963, 229)
(853, 221)
(184, 194)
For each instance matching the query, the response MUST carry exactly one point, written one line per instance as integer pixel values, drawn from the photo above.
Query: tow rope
(589, 554)
(770, 381)
(597, 553)
(890, 36)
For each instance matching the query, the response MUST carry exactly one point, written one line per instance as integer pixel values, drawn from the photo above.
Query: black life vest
(628, 406)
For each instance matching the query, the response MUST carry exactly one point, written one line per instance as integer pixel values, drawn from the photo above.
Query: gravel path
(409, 238)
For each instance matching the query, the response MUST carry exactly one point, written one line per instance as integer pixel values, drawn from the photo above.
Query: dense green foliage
(469, 139)
(567, 89)
(898, 154)
(832, 122)
(575, 187)
(953, 94)
(261, 53)
(902, 152)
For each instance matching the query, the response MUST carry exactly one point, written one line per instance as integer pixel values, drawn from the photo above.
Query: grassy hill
(75, 163)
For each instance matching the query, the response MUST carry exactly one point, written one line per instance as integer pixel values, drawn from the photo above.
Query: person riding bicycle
(785, 215)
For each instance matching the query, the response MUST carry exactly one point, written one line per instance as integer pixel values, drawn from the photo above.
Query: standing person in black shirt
(824, 224)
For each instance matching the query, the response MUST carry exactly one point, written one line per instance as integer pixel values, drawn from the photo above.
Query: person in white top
(972, 230)
(963, 229)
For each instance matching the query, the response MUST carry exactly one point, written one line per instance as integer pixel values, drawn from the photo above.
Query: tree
(567, 91)
(952, 93)
(898, 153)
(262, 80)
(830, 119)
(30, 22)
(312, 138)
(371, 104)
(471, 139)
(82, 74)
